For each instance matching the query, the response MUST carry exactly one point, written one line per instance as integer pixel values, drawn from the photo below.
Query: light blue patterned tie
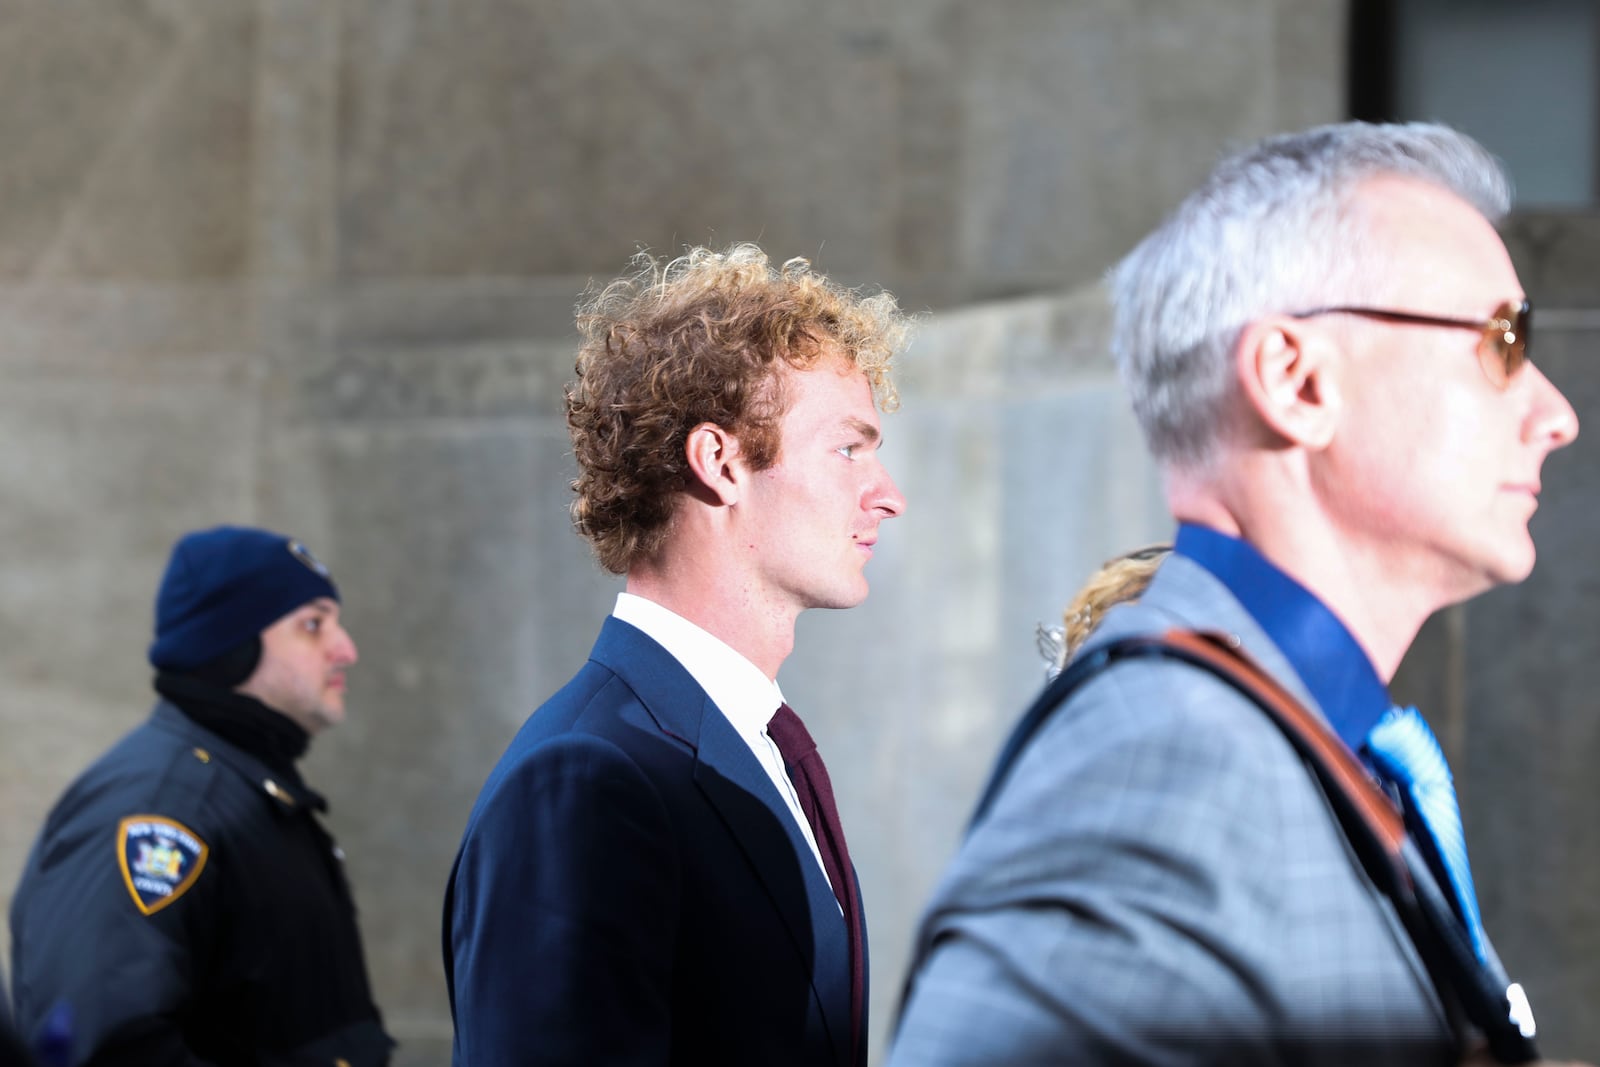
(1405, 751)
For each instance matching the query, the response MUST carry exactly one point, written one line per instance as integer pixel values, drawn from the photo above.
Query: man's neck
(757, 631)
(239, 718)
(1383, 600)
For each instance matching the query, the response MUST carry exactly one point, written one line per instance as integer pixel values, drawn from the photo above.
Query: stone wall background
(310, 264)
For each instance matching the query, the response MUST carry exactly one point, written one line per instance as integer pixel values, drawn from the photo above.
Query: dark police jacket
(183, 905)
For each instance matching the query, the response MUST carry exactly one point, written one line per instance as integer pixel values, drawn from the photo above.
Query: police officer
(183, 904)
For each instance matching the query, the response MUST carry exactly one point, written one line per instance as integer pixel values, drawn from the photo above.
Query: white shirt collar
(745, 696)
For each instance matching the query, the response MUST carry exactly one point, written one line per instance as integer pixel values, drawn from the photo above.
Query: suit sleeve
(83, 947)
(1115, 905)
(561, 915)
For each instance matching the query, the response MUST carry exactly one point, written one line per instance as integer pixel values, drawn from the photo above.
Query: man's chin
(845, 596)
(1516, 572)
(326, 716)
(851, 599)
(1512, 565)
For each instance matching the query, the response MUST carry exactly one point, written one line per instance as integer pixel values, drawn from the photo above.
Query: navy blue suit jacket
(632, 889)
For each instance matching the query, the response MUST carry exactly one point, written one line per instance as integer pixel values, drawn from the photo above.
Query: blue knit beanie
(224, 586)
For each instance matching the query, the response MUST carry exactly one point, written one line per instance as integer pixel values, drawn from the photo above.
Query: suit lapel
(744, 797)
(737, 786)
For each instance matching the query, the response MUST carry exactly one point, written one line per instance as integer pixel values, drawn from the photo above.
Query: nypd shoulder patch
(160, 859)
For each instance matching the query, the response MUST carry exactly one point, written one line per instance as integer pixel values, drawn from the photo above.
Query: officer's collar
(270, 738)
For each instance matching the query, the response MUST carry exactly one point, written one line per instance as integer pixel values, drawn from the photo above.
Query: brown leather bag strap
(1334, 761)
(1374, 827)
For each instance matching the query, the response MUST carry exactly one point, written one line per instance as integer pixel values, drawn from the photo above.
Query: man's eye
(848, 451)
(313, 624)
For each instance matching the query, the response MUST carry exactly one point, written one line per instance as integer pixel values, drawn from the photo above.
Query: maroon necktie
(811, 784)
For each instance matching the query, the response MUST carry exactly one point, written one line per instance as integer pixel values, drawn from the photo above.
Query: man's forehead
(1435, 243)
(830, 365)
(1401, 205)
(832, 399)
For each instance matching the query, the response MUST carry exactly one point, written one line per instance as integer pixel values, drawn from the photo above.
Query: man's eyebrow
(868, 431)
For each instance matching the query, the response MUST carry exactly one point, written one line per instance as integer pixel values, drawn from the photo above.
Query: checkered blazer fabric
(1162, 881)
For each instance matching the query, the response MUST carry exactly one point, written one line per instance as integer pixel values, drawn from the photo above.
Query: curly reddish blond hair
(700, 339)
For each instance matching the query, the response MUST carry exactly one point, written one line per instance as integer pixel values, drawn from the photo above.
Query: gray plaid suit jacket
(1162, 881)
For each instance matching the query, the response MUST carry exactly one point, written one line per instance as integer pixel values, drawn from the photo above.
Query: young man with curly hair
(655, 871)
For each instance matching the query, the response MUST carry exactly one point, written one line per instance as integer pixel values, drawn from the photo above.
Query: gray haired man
(1326, 348)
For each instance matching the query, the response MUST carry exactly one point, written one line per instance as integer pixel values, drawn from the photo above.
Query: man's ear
(1289, 370)
(715, 466)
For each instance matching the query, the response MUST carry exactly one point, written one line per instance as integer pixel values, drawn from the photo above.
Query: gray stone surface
(1057, 183)
(456, 381)
(1310, 43)
(132, 332)
(295, 135)
(510, 137)
(1557, 255)
(97, 102)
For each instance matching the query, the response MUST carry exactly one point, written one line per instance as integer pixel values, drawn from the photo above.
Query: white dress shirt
(746, 697)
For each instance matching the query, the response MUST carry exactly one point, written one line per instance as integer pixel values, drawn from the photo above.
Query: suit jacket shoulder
(632, 889)
(1161, 880)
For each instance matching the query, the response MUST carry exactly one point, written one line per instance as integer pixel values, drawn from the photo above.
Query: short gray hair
(1267, 232)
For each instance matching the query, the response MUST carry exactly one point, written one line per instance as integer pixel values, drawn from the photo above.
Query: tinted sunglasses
(1502, 350)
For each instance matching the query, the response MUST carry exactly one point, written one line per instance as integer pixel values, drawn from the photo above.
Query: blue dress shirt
(1318, 646)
